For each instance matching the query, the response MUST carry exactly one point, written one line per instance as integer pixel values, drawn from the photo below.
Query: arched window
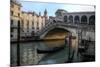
(37, 25)
(76, 19)
(84, 19)
(32, 24)
(65, 18)
(92, 20)
(22, 25)
(27, 25)
(70, 19)
(19, 22)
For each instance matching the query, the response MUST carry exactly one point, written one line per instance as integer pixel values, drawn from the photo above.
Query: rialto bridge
(79, 24)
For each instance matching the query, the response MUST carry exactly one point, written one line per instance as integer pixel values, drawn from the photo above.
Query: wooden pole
(18, 44)
(69, 44)
(68, 40)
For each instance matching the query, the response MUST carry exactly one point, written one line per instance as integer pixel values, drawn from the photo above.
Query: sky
(52, 7)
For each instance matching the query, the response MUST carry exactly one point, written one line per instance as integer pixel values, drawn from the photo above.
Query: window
(11, 22)
(76, 19)
(18, 14)
(71, 19)
(37, 24)
(84, 19)
(65, 18)
(42, 25)
(37, 27)
(27, 30)
(32, 27)
(11, 35)
(27, 25)
(54, 21)
(12, 30)
(12, 5)
(92, 20)
(32, 23)
(18, 8)
(18, 21)
(11, 13)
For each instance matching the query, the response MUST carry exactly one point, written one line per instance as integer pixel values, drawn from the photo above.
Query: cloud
(52, 7)
(77, 8)
(89, 2)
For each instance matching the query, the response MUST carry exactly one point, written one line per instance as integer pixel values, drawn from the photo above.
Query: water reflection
(54, 43)
(29, 55)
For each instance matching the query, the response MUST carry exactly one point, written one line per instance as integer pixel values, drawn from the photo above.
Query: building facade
(15, 13)
(30, 22)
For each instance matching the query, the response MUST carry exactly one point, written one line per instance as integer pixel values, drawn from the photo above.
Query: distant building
(30, 22)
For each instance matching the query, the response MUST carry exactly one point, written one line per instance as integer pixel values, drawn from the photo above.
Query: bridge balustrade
(53, 24)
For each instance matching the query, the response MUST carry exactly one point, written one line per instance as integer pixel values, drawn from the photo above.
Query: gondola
(52, 50)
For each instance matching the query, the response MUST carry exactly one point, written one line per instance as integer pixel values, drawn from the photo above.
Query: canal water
(29, 55)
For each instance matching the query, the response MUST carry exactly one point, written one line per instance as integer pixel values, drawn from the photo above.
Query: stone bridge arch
(57, 26)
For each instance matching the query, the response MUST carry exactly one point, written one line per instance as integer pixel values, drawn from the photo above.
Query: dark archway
(84, 19)
(65, 18)
(76, 19)
(92, 20)
(70, 19)
(56, 33)
(55, 37)
(45, 32)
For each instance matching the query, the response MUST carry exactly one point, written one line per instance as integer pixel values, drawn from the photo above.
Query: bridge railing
(79, 26)
(45, 28)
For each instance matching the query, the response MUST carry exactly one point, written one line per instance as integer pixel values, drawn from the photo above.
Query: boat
(51, 50)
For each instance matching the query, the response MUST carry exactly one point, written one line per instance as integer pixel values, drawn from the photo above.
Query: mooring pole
(69, 44)
(68, 40)
(18, 44)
